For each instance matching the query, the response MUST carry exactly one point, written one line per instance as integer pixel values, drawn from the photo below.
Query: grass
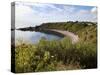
(55, 55)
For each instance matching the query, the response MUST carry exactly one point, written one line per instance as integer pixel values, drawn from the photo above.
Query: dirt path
(73, 36)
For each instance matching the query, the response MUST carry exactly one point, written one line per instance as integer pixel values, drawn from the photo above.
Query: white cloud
(68, 9)
(20, 9)
(24, 16)
(94, 10)
(29, 14)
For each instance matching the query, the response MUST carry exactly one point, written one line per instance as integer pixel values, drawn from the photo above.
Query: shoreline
(74, 37)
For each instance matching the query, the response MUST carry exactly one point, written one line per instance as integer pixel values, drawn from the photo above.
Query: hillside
(87, 31)
(59, 55)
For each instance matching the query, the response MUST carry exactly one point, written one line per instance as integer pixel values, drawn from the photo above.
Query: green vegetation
(59, 55)
(85, 30)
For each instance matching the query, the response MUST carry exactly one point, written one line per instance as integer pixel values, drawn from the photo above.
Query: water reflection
(34, 36)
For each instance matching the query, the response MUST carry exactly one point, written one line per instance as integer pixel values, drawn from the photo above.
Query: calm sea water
(33, 36)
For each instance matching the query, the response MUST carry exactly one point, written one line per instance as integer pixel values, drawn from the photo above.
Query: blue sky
(32, 14)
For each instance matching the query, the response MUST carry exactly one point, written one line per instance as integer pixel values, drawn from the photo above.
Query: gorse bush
(87, 54)
(55, 55)
(23, 54)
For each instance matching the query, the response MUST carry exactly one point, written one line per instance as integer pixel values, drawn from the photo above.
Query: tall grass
(55, 55)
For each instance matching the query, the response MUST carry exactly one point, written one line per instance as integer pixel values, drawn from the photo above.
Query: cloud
(24, 15)
(94, 10)
(31, 14)
(22, 10)
(88, 14)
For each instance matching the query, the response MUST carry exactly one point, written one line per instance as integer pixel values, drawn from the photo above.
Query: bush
(55, 55)
(87, 54)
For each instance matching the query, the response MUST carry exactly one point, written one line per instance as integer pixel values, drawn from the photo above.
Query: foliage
(59, 55)
(55, 55)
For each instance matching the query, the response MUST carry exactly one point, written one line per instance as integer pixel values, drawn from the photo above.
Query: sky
(33, 14)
